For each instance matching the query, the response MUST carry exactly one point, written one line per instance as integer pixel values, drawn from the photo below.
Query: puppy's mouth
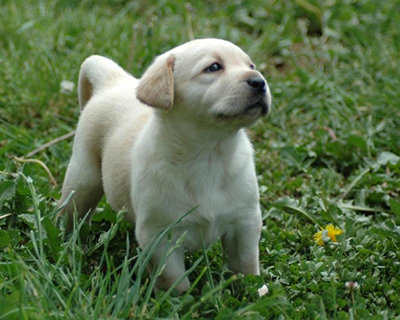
(258, 108)
(252, 111)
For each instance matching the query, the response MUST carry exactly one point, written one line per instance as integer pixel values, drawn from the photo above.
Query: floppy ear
(156, 87)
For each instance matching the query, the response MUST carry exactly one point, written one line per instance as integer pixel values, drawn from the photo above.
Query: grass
(328, 153)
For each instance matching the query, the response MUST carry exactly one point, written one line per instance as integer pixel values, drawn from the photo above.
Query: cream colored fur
(187, 150)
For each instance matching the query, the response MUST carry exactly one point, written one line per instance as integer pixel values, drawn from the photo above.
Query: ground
(328, 154)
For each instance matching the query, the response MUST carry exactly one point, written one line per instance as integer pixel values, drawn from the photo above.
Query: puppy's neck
(185, 139)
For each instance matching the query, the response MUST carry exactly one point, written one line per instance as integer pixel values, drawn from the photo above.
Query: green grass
(328, 153)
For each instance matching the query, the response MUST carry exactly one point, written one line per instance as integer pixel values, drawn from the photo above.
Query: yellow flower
(329, 233)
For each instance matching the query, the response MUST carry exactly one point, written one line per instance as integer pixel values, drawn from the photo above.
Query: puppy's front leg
(174, 265)
(242, 249)
(174, 269)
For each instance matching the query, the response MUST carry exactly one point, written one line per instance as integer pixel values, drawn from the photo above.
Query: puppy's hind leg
(83, 177)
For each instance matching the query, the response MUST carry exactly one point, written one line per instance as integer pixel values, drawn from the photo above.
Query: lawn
(329, 153)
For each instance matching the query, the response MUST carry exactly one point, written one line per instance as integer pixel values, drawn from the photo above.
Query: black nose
(256, 82)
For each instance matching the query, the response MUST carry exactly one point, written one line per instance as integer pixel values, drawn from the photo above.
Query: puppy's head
(209, 80)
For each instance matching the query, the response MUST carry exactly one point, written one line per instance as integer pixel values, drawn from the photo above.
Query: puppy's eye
(252, 66)
(213, 68)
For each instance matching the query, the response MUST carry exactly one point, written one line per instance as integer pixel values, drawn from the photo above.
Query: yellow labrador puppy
(172, 141)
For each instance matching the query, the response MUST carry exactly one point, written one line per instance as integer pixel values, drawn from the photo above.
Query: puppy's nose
(256, 82)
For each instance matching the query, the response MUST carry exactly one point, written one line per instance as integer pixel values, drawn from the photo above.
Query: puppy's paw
(164, 284)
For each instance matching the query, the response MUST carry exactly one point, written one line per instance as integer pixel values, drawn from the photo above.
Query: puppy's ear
(156, 87)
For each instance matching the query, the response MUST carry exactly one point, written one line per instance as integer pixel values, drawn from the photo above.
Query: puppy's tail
(96, 73)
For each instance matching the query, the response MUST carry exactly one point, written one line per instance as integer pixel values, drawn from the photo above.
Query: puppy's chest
(218, 198)
(208, 183)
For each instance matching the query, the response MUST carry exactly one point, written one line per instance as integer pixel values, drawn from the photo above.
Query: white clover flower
(352, 285)
(66, 86)
(263, 290)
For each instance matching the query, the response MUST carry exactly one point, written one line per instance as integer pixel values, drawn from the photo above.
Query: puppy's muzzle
(259, 87)
(257, 83)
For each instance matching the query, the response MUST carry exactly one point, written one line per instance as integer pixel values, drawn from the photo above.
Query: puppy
(170, 142)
